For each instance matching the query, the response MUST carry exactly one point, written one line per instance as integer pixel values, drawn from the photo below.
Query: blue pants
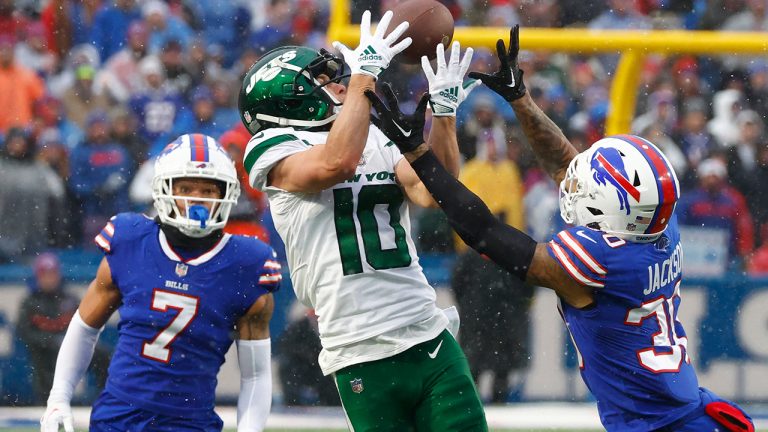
(732, 419)
(110, 414)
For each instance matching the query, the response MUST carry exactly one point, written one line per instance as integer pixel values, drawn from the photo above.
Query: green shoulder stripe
(265, 145)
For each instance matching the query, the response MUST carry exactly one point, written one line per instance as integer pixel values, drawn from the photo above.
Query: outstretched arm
(507, 246)
(551, 147)
(503, 244)
(325, 165)
(446, 92)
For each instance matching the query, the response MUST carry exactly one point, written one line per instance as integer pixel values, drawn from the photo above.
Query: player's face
(338, 90)
(196, 188)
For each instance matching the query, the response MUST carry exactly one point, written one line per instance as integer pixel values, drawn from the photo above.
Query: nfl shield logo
(357, 385)
(181, 269)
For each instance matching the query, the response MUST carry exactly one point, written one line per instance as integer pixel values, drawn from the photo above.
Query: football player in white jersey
(339, 193)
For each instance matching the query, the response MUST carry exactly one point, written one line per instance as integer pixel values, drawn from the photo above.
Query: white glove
(446, 89)
(375, 51)
(57, 413)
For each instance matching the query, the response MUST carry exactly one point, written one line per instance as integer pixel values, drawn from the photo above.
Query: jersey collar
(202, 259)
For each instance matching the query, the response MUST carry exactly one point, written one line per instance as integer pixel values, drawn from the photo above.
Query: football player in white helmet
(340, 194)
(181, 285)
(617, 270)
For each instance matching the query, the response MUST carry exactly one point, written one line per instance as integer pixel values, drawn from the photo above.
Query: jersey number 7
(159, 349)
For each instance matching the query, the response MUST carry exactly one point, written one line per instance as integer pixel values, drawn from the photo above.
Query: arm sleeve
(473, 221)
(255, 399)
(74, 357)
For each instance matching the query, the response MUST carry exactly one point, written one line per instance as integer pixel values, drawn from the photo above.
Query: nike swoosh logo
(433, 354)
(405, 134)
(580, 233)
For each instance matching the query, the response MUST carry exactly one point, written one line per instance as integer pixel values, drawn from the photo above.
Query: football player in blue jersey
(617, 270)
(182, 287)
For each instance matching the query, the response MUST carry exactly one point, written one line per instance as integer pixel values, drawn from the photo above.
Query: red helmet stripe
(629, 187)
(665, 179)
(199, 148)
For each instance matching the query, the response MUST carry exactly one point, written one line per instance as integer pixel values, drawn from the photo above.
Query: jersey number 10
(346, 232)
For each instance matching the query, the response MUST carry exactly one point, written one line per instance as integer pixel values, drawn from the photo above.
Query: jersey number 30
(367, 199)
(159, 348)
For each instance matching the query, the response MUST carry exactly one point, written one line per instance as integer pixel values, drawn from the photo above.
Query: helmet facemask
(191, 217)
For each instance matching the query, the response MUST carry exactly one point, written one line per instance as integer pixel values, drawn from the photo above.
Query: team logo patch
(181, 269)
(357, 385)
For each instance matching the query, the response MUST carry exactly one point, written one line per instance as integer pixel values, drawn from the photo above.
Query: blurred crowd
(92, 90)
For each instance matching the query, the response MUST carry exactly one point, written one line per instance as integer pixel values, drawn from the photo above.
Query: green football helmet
(282, 89)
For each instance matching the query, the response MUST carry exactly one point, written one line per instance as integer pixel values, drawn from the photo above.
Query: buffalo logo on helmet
(608, 167)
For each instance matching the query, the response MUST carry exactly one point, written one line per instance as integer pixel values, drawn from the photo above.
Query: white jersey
(350, 251)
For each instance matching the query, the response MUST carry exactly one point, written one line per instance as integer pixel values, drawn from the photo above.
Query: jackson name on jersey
(338, 238)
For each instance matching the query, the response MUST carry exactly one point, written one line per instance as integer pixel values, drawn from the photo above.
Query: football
(430, 23)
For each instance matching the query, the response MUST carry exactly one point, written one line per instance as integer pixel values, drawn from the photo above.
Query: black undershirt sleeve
(505, 245)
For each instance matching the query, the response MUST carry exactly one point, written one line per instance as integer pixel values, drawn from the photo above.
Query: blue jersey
(177, 316)
(632, 349)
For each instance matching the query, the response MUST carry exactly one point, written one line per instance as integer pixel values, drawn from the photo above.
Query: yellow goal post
(632, 45)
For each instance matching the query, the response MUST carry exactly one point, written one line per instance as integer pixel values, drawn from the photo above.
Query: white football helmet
(194, 156)
(622, 185)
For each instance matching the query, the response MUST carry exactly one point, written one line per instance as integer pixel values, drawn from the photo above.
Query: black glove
(508, 80)
(406, 131)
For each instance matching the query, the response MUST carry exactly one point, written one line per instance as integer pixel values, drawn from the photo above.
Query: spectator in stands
(726, 106)
(177, 76)
(202, 118)
(43, 320)
(694, 140)
(492, 301)
(491, 174)
(302, 381)
(84, 54)
(245, 215)
(225, 23)
(619, 15)
(69, 23)
(715, 205)
(225, 113)
(20, 87)
(751, 178)
(758, 86)
(81, 97)
(121, 76)
(742, 156)
(662, 112)
(12, 22)
(110, 25)
(32, 52)
(101, 169)
(51, 151)
(30, 194)
(483, 124)
(123, 130)
(164, 26)
(49, 114)
(280, 27)
(157, 107)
